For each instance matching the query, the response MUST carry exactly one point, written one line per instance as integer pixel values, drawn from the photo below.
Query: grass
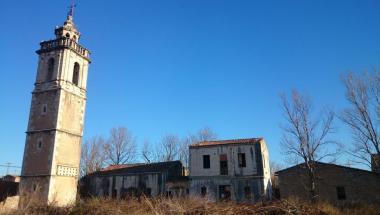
(189, 206)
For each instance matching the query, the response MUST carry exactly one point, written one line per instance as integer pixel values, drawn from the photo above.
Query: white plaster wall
(266, 170)
(63, 67)
(196, 160)
(43, 65)
(67, 61)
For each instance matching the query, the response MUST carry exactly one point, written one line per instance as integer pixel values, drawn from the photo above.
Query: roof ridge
(226, 142)
(155, 165)
(333, 164)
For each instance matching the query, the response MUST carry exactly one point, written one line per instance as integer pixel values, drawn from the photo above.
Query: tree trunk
(313, 193)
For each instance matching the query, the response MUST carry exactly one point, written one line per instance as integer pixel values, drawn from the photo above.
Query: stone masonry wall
(359, 185)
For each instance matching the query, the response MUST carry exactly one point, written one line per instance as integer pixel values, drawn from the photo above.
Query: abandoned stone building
(336, 184)
(54, 135)
(235, 170)
(133, 180)
(8, 186)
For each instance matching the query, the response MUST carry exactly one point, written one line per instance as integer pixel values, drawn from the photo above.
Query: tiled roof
(139, 168)
(226, 142)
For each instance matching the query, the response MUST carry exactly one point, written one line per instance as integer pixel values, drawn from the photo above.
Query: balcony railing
(63, 43)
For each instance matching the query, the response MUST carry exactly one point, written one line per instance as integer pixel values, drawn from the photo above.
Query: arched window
(76, 73)
(75, 38)
(67, 35)
(50, 70)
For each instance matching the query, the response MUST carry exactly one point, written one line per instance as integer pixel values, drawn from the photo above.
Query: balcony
(60, 43)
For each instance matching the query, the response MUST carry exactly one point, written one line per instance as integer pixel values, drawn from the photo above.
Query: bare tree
(305, 137)
(148, 152)
(274, 167)
(184, 150)
(204, 134)
(363, 115)
(172, 147)
(92, 156)
(121, 147)
(169, 148)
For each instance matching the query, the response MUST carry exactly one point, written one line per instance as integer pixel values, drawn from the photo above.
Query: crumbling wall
(237, 188)
(359, 185)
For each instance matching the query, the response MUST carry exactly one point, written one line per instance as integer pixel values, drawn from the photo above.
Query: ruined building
(339, 185)
(235, 170)
(53, 139)
(133, 180)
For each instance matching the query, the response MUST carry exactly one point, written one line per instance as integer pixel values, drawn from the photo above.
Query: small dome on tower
(68, 30)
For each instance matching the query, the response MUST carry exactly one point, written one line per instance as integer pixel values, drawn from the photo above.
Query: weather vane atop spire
(71, 8)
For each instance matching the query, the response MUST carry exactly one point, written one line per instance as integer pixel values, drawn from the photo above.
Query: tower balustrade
(47, 46)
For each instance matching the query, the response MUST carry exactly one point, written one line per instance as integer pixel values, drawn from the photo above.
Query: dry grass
(350, 210)
(188, 206)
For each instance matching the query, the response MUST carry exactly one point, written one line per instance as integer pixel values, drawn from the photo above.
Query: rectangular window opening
(247, 193)
(341, 193)
(203, 191)
(39, 145)
(241, 160)
(225, 192)
(114, 193)
(206, 161)
(148, 192)
(223, 164)
(44, 109)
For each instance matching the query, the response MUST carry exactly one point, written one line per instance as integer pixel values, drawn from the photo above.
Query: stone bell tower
(50, 168)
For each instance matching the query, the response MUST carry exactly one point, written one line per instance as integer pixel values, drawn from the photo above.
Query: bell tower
(50, 169)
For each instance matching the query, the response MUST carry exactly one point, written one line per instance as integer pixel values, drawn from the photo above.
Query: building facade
(336, 184)
(235, 170)
(134, 180)
(53, 139)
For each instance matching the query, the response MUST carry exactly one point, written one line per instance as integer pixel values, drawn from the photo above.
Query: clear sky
(175, 66)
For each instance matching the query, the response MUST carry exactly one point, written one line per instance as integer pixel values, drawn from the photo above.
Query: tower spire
(68, 29)
(70, 13)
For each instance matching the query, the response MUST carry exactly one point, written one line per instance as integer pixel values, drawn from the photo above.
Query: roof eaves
(226, 142)
(327, 164)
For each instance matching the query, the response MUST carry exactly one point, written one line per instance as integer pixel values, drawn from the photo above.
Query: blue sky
(175, 66)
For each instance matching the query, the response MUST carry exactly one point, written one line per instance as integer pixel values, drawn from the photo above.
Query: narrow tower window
(39, 145)
(50, 71)
(76, 74)
(44, 109)
(34, 187)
